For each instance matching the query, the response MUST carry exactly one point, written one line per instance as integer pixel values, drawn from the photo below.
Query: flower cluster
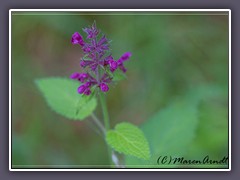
(97, 61)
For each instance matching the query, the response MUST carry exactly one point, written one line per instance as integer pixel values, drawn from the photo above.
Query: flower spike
(97, 61)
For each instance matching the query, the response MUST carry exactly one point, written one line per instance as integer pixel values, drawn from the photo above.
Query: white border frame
(120, 10)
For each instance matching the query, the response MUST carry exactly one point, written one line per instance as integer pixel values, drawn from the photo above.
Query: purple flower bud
(81, 89)
(86, 49)
(104, 87)
(126, 56)
(94, 67)
(88, 84)
(93, 42)
(82, 63)
(82, 77)
(92, 32)
(87, 92)
(102, 40)
(75, 75)
(123, 58)
(77, 39)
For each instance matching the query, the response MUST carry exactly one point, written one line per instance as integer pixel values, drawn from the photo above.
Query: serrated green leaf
(61, 95)
(128, 139)
(169, 131)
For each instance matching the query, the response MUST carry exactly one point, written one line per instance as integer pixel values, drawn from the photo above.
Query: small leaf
(61, 95)
(129, 139)
(119, 75)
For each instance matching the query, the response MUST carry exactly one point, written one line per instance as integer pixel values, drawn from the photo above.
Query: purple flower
(75, 75)
(84, 63)
(105, 61)
(104, 87)
(97, 61)
(113, 65)
(102, 41)
(77, 39)
(87, 48)
(81, 89)
(123, 58)
(85, 88)
(82, 77)
(92, 32)
(102, 45)
(87, 91)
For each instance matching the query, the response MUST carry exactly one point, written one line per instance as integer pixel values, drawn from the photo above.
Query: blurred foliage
(173, 56)
(169, 132)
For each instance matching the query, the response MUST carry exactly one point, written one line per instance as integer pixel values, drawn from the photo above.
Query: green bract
(119, 75)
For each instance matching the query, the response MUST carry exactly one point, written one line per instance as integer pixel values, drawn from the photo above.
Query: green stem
(106, 121)
(98, 123)
(105, 111)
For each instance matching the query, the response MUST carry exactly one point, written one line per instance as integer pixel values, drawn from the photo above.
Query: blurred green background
(173, 56)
